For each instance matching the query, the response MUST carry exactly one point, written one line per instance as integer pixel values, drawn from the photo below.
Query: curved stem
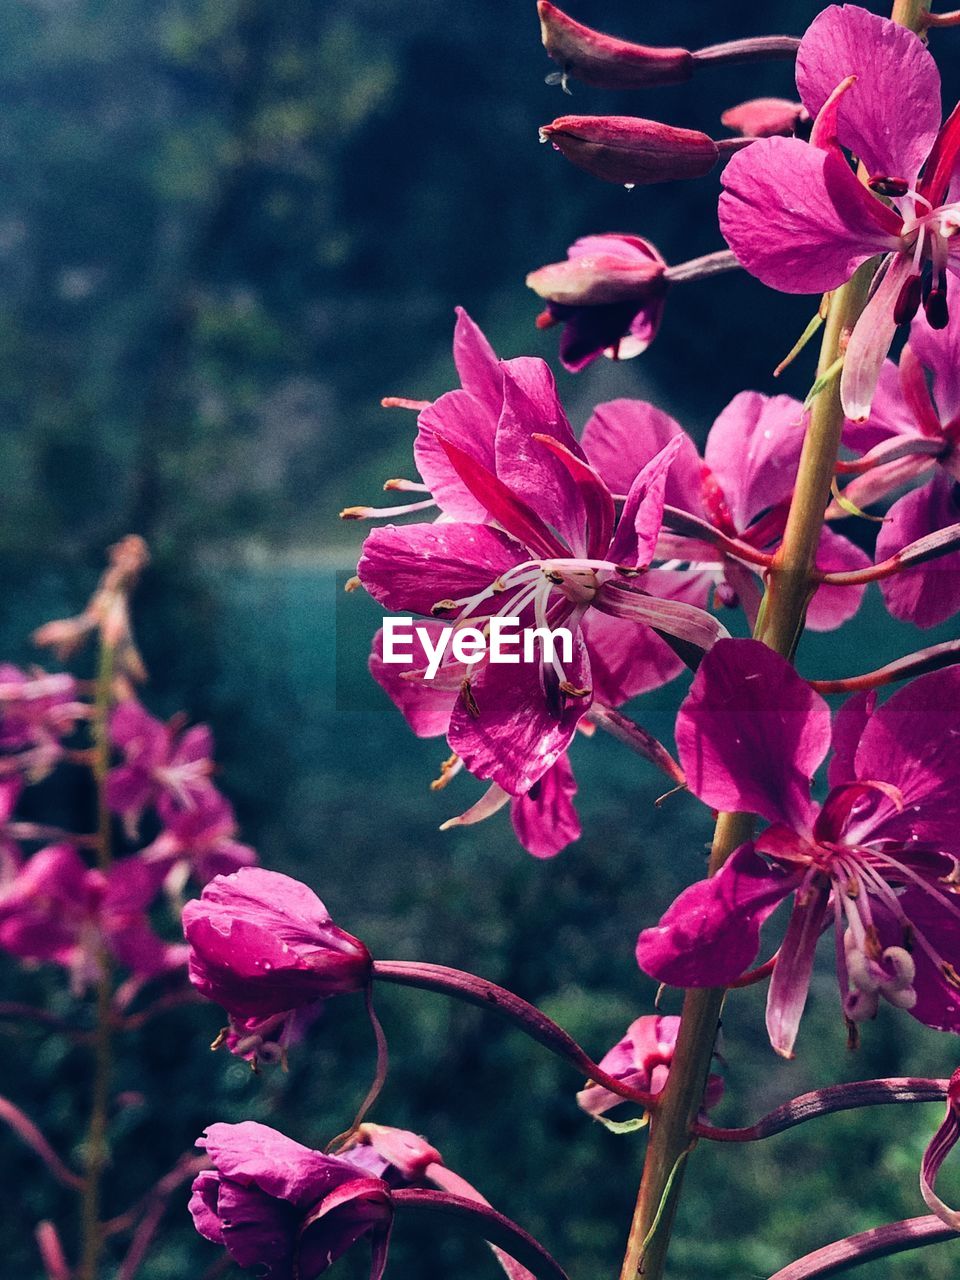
(878, 1242)
(480, 1219)
(478, 991)
(823, 1102)
(27, 1132)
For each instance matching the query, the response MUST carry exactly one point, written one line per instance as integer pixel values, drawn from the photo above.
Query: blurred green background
(227, 228)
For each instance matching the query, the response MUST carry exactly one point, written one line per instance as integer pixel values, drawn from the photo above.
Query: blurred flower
(37, 711)
(263, 944)
(642, 1059)
(798, 218)
(879, 857)
(766, 118)
(58, 909)
(281, 1207)
(200, 839)
(164, 765)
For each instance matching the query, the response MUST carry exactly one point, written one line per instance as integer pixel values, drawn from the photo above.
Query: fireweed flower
(608, 295)
(262, 944)
(796, 216)
(288, 1210)
(201, 840)
(37, 711)
(164, 765)
(535, 535)
(544, 818)
(941, 1144)
(59, 910)
(642, 1059)
(917, 427)
(741, 488)
(878, 858)
(10, 856)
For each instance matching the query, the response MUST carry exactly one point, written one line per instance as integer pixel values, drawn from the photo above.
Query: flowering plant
(664, 565)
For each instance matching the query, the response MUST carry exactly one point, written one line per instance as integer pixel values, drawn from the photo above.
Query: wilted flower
(281, 1207)
(879, 858)
(263, 944)
(641, 1059)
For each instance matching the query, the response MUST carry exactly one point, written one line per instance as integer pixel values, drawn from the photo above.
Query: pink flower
(290, 1211)
(742, 488)
(532, 533)
(642, 1059)
(797, 217)
(608, 295)
(201, 839)
(164, 765)
(37, 712)
(911, 435)
(58, 909)
(262, 944)
(544, 818)
(634, 152)
(879, 858)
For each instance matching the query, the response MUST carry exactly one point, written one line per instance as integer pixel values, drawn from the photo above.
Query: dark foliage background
(227, 227)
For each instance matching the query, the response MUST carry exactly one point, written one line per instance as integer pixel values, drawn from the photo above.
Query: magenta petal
(476, 362)
(508, 731)
(890, 117)
(939, 351)
(870, 340)
(848, 726)
(532, 472)
(413, 567)
(751, 734)
(545, 819)
(710, 934)
(831, 607)
(938, 995)
(930, 593)
(798, 219)
(254, 1155)
(204, 1195)
(258, 1231)
(791, 975)
(910, 741)
(753, 449)
(622, 436)
(641, 520)
(890, 417)
(425, 707)
(626, 658)
(459, 417)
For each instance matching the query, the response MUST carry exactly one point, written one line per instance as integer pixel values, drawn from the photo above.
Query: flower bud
(600, 270)
(262, 943)
(604, 61)
(406, 1152)
(766, 118)
(631, 151)
(642, 1059)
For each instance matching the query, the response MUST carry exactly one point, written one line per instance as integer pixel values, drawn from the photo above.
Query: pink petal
(831, 607)
(641, 520)
(798, 219)
(255, 1155)
(930, 593)
(891, 116)
(710, 934)
(626, 658)
(870, 340)
(751, 734)
(939, 351)
(753, 449)
(622, 436)
(938, 997)
(476, 362)
(791, 975)
(469, 423)
(413, 567)
(910, 741)
(848, 726)
(507, 731)
(545, 819)
(531, 406)
(425, 707)
(890, 416)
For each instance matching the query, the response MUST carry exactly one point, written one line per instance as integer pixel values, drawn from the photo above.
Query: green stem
(780, 626)
(97, 1149)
